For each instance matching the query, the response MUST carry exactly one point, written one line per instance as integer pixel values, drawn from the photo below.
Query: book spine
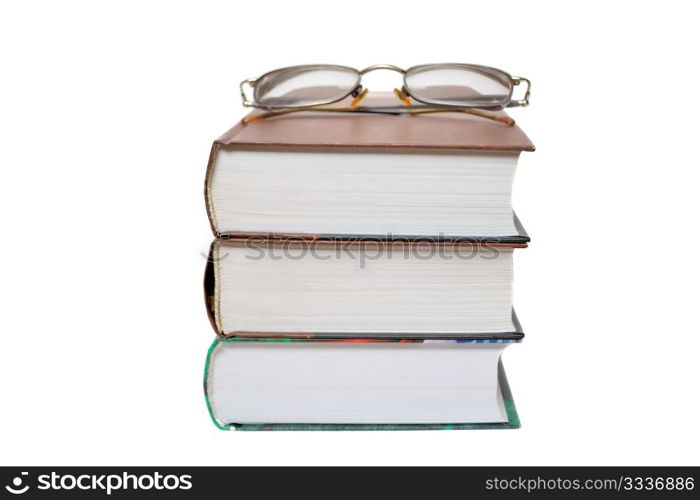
(207, 188)
(207, 399)
(210, 284)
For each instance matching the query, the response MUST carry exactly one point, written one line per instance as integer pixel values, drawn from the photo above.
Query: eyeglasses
(464, 88)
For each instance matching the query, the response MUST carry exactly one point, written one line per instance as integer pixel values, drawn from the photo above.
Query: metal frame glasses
(435, 88)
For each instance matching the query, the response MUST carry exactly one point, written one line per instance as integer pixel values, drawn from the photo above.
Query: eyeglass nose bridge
(389, 67)
(359, 92)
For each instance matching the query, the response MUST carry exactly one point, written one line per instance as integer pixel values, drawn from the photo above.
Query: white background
(108, 111)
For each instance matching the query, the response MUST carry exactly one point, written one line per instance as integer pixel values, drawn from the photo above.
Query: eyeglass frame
(402, 94)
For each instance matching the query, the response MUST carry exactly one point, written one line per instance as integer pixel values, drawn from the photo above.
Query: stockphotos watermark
(98, 483)
(364, 249)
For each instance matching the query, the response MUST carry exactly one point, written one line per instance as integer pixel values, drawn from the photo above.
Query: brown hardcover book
(334, 176)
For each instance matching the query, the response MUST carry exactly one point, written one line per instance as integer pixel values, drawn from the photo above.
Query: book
(306, 289)
(340, 175)
(359, 384)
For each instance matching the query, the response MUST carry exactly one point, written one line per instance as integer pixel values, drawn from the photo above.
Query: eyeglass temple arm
(469, 111)
(525, 101)
(250, 82)
(285, 111)
(413, 111)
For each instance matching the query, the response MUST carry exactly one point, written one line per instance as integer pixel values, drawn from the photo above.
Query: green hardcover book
(358, 384)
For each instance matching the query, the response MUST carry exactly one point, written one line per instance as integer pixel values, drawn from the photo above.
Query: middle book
(361, 288)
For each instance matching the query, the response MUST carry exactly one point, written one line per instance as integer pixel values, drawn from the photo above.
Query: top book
(343, 175)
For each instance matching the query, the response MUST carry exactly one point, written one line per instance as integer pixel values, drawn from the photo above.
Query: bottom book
(358, 384)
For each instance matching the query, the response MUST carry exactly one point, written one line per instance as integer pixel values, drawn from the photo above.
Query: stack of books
(361, 273)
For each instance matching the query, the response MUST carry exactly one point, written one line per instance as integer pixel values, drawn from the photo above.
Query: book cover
(509, 404)
(306, 131)
(210, 300)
